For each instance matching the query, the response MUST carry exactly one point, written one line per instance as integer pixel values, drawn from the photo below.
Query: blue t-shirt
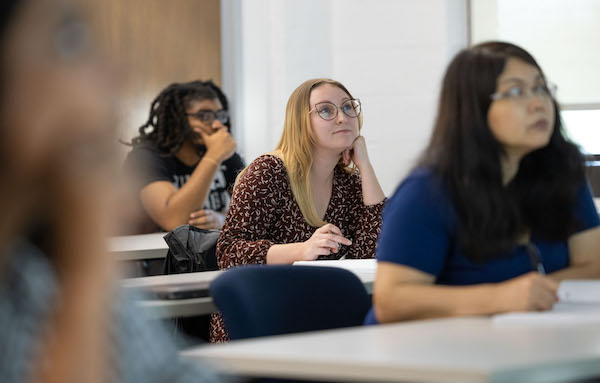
(420, 231)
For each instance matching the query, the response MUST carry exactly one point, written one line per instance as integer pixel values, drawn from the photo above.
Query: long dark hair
(167, 126)
(463, 151)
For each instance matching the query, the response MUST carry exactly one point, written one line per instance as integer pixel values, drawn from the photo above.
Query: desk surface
(451, 350)
(174, 308)
(171, 279)
(197, 306)
(137, 247)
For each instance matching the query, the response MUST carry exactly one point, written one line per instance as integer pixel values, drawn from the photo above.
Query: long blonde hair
(296, 146)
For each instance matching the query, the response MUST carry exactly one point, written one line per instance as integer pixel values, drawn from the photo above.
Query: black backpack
(191, 249)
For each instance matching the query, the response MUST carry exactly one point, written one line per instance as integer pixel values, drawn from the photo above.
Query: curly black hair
(167, 127)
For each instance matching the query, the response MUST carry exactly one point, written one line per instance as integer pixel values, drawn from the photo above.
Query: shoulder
(151, 164)
(422, 192)
(231, 167)
(234, 162)
(263, 179)
(585, 209)
(266, 165)
(421, 182)
(145, 147)
(265, 173)
(143, 153)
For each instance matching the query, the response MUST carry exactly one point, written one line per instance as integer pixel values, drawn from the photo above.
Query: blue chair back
(260, 300)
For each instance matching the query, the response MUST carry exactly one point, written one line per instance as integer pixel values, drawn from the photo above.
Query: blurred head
(52, 82)
(180, 110)
(55, 97)
(521, 116)
(496, 102)
(57, 124)
(306, 128)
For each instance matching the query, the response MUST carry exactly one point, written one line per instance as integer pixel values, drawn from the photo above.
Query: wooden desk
(450, 350)
(139, 247)
(157, 308)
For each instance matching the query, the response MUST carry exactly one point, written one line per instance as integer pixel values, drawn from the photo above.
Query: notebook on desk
(579, 303)
(365, 269)
(579, 291)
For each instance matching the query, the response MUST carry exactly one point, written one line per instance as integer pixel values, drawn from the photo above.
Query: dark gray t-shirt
(153, 165)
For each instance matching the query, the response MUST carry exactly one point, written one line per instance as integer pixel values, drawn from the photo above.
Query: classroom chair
(261, 300)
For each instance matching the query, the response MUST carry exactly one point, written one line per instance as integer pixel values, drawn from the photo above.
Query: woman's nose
(536, 103)
(341, 117)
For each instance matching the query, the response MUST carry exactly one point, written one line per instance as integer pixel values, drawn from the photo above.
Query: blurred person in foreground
(60, 319)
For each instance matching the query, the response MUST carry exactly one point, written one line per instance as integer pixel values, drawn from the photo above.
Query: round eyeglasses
(207, 117)
(520, 93)
(328, 111)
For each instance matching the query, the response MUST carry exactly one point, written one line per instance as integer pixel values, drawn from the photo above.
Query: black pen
(535, 258)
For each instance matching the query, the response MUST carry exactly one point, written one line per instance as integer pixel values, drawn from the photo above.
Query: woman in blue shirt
(497, 211)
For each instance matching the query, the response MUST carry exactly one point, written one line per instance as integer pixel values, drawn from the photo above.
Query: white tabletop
(162, 280)
(449, 350)
(201, 306)
(174, 308)
(177, 308)
(137, 247)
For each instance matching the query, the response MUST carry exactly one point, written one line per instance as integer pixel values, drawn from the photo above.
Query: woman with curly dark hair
(497, 211)
(186, 157)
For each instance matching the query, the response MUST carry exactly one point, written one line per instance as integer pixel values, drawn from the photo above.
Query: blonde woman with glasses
(315, 197)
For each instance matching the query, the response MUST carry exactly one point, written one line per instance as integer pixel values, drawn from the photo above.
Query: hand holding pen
(533, 291)
(324, 241)
(535, 258)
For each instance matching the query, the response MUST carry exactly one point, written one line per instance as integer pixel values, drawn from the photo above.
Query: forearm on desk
(239, 253)
(284, 253)
(420, 301)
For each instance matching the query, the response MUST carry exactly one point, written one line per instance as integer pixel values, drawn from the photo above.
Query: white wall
(572, 58)
(389, 53)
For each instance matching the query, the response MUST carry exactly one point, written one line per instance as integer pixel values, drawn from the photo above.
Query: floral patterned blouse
(263, 212)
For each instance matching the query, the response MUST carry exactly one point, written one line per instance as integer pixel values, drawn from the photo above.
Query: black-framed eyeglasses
(207, 117)
(328, 111)
(520, 93)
